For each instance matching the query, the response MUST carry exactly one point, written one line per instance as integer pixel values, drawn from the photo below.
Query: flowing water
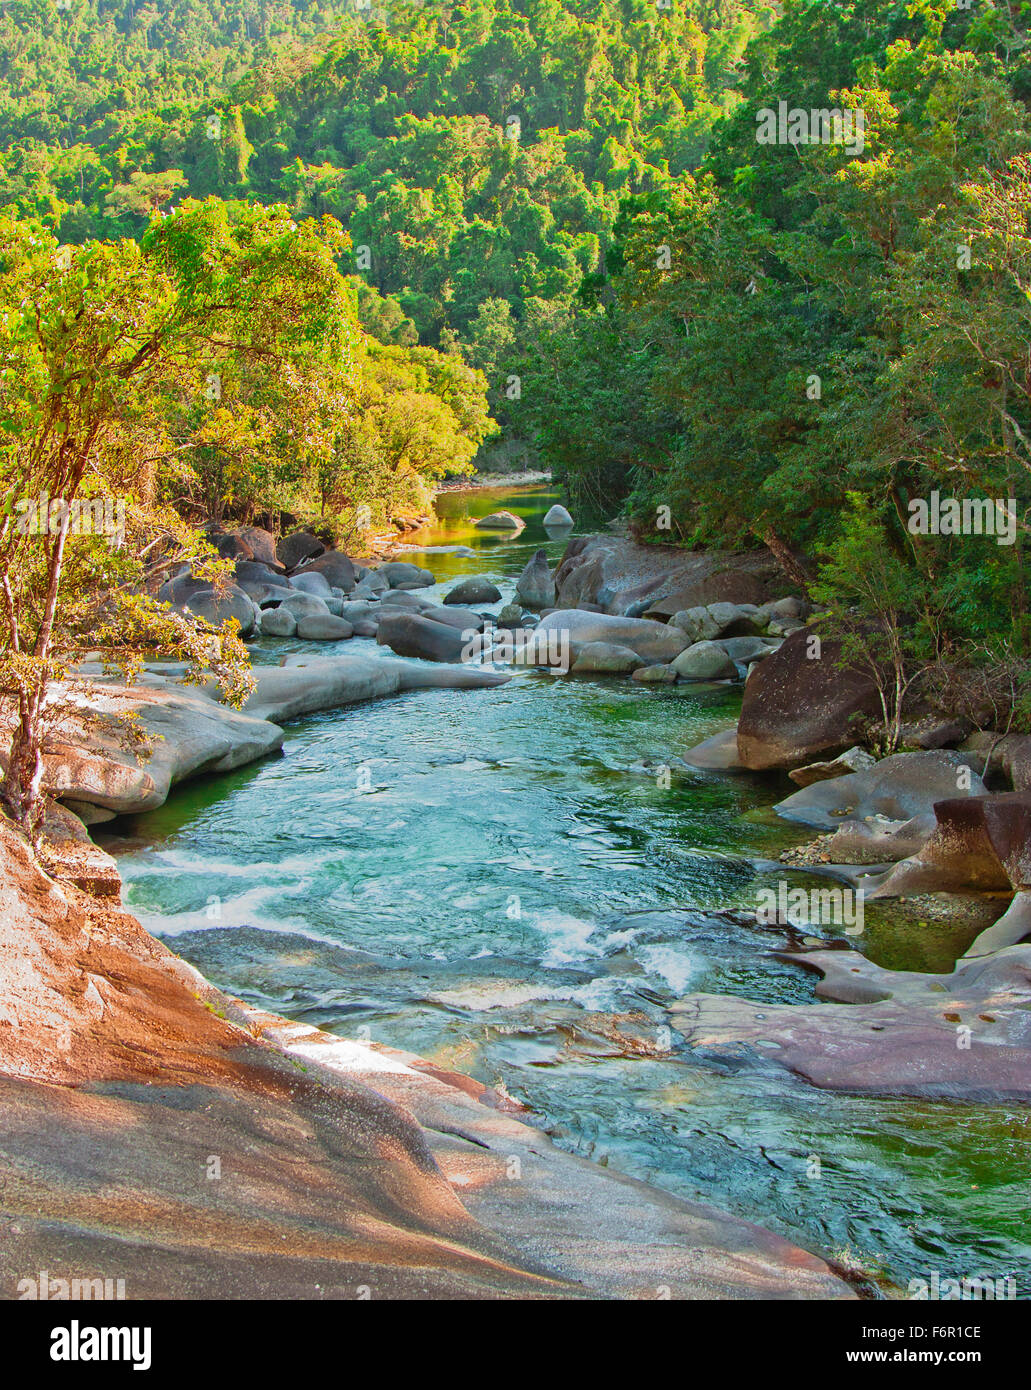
(507, 882)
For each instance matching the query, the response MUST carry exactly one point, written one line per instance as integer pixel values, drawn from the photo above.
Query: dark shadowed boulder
(411, 635)
(335, 567)
(799, 705)
(295, 549)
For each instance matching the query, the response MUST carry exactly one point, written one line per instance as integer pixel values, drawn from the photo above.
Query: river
(486, 878)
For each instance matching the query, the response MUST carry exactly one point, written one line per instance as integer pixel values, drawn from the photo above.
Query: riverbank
(273, 1161)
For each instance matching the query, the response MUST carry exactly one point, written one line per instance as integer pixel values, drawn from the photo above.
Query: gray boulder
(746, 648)
(605, 657)
(510, 616)
(198, 597)
(475, 589)
(653, 642)
(698, 623)
(312, 583)
(500, 521)
(398, 574)
(462, 619)
(323, 627)
(278, 622)
(704, 661)
(535, 587)
(306, 606)
(372, 586)
(718, 753)
(899, 787)
(557, 516)
(655, 675)
(735, 619)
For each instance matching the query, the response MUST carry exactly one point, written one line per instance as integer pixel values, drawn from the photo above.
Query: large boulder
(464, 619)
(475, 589)
(278, 622)
(399, 574)
(306, 606)
(718, 753)
(293, 550)
(535, 587)
(198, 597)
(898, 788)
(409, 634)
(605, 657)
(335, 567)
(698, 623)
(557, 516)
(371, 585)
(500, 521)
(653, 642)
(979, 842)
(313, 583)
(799, 705)
(704, 661)
(323, 627)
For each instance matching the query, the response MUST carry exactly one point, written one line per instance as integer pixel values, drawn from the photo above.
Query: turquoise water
(502, 881)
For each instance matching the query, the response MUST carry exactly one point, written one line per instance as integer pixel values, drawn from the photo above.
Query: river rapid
(505, 881)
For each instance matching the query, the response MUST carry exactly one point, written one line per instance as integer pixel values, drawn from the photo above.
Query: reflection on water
(517, 895)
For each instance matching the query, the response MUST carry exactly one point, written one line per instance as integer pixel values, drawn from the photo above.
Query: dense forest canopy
(566, 237)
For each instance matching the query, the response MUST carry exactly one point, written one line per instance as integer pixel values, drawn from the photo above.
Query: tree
(98, 343)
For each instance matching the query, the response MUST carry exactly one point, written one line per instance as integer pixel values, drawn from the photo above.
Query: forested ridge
(781, 344)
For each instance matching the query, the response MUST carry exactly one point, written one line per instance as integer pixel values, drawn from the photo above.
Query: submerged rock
(901, 1037)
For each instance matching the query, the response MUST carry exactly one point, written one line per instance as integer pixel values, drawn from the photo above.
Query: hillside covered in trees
(788, 344)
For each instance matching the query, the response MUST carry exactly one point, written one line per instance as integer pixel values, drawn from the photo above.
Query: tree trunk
(788, 562)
